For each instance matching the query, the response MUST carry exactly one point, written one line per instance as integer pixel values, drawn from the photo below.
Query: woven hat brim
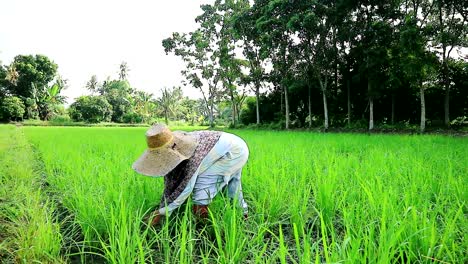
(159, 162)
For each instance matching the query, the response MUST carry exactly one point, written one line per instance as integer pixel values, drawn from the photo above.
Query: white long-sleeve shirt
(226, 158)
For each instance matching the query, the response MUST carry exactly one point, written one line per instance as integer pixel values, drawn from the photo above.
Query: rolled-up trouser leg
(234, 190)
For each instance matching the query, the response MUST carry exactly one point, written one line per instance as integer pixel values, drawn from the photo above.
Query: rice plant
(313, 198)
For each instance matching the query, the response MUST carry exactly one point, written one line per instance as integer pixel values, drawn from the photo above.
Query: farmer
(200, 163)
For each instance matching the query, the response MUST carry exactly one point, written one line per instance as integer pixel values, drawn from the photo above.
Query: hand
(153, 219)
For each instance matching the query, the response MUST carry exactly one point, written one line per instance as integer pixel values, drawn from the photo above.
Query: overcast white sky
(90, 37)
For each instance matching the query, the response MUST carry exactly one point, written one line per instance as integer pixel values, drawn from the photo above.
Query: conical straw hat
(166, 149)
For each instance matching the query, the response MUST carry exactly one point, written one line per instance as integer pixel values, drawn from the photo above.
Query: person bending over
(200, 163)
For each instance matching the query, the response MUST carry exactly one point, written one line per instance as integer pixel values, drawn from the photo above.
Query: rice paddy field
(313, 198)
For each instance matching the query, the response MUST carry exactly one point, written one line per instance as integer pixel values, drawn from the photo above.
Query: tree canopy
(335, 61)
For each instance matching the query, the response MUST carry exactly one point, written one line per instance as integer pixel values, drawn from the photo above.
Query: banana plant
(46, 97)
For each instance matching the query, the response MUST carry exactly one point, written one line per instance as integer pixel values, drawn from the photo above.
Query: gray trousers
(226, 171)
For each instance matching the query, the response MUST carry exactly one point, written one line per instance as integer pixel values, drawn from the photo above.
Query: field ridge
(29, 231)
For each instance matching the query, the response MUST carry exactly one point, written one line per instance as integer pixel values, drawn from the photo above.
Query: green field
(323, 198)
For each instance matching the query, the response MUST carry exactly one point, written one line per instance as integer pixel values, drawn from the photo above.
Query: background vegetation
(301, 63)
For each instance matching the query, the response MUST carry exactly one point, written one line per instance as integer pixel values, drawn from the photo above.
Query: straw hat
(166, 149)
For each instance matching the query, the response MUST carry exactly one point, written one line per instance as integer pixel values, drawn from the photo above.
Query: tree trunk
(447, 105)
(325, 109)
(233, 106)
(165, 118)
(348, 86)
(371, 107)
(211, 116)
(393, 109)
(286, 105)
(371, 113)
(445, 79)
(257, 96)
(323, 86)
(282, 99)
(423, 110)
(310, 106)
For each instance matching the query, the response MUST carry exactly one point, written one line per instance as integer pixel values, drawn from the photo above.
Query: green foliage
(30, 231)
(34, 79)
(349, 198)
(93, 109)
(170, 102)
(132, 118)
(11, 109)
(362, 57)
(128, 104)
(144, 105)
(117, 93)
(190, 110)
(37, 69)
(3, 81)
(61, 119)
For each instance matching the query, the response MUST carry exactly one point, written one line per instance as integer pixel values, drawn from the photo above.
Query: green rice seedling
(29, 231)
(341, 198)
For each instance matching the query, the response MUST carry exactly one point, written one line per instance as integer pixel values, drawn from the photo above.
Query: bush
(91, 109)
(132, 118)
(61, 120)
(11, 109)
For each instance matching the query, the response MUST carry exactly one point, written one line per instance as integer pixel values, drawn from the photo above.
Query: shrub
(132, 118)
(61, 120)
(11, 109)
(91, 109)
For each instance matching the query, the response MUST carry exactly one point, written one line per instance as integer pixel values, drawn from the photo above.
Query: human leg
(234, 190)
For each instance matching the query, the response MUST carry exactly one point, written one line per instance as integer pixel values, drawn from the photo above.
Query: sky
(92, 37)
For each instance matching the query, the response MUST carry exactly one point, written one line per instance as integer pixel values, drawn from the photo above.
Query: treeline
(31, 88)
(330, 63)
(115, 100)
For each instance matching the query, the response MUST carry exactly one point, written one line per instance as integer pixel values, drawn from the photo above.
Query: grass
(313, 198)
(29, 232)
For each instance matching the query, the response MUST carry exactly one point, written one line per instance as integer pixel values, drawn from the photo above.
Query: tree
(3, 82)
(220, 21)
(25, 70)
(417, 61)
(451, 30)
(373, 39)
(93, 84)
(365, 57)
(92, 109)
(143, 105)
(169, 102)
(47, 98)
(123, 73)
(316, 27)
(12, 75)
(190, 110)
(256, 54)
(11, 109)
(278, 39)
(118, 94)
(29, 77)
(196, 50)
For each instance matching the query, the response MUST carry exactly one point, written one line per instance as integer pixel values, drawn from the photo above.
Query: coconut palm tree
(169, 102)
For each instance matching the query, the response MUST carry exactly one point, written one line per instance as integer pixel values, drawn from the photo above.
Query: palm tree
(170, 102)
(142, 103)
(123, 74)
(92, 84)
